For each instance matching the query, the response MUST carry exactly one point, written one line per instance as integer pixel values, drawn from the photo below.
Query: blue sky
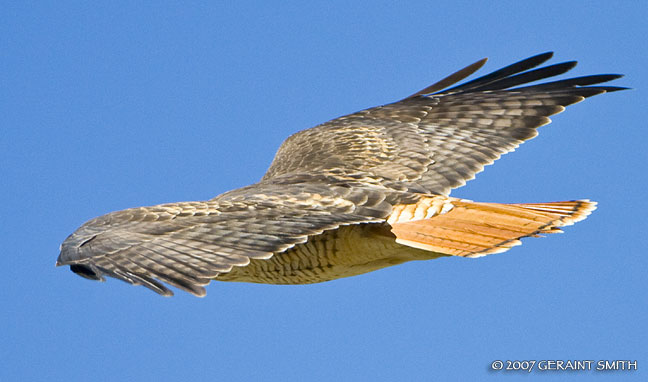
(122, 104)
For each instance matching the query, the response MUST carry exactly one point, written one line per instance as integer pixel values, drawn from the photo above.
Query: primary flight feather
(352, 195)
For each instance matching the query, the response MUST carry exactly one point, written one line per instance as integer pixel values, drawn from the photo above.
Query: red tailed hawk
(353, 195)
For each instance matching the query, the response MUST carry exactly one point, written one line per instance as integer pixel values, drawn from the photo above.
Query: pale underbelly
(347, 251)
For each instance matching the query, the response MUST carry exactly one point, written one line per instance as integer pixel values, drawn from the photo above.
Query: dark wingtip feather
(610, 89)
(529, 76)
(542, 57)
(576, 82)
(518, 67)
(522, 73)
(608, 77)
(451, 79)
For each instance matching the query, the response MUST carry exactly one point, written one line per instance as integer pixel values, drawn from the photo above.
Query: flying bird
(356, 194)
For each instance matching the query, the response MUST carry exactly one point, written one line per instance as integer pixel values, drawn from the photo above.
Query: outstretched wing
(188, 244)
(436, 142)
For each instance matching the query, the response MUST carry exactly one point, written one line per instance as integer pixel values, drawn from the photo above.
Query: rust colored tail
(464, 228)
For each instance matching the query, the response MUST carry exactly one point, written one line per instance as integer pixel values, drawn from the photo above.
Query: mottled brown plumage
(355, 194)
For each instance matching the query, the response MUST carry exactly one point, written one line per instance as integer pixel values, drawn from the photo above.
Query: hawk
(353, 195)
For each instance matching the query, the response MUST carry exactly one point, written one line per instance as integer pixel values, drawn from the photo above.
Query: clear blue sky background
(122, 104)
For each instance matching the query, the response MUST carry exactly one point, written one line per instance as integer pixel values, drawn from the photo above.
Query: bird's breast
(346, 251)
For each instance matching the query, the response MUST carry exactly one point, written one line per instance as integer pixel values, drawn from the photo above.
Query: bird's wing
(436, 142)
(187, 244)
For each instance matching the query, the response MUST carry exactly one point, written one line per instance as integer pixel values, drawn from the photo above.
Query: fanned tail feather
(471, 229)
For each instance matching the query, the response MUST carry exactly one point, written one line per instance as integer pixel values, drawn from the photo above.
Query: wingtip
(451, 79)
(547, 54)
(539, 58)
(570, 64)
(60, 262)
(610, 89)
